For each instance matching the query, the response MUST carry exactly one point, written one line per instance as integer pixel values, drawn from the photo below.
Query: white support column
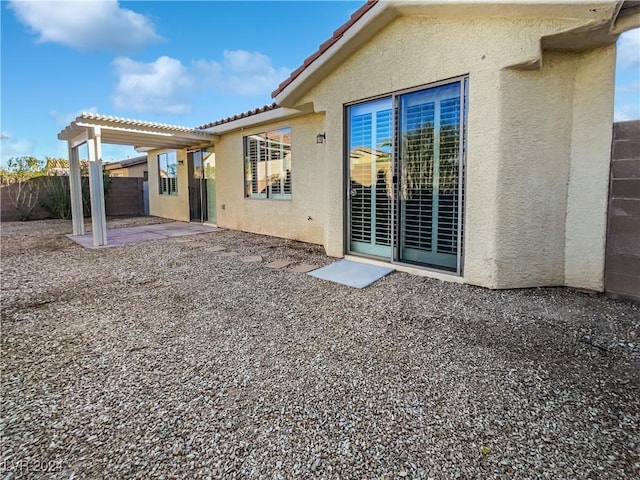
(98, 134)
(98, 217)
(75, 188)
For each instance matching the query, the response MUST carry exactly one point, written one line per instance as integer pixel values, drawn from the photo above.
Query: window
(168, 173)
(267, 164)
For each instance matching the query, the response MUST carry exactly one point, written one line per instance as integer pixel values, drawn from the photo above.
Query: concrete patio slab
(118, 237)
(352, 274)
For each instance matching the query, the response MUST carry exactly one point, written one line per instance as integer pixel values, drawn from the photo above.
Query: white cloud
(162, 86)
(167, 85)
(86, 25)
(629, 48)
(63, 119)
(241, 72)
(14, 147)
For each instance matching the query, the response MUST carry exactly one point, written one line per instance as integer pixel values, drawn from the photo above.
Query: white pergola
(94, 130)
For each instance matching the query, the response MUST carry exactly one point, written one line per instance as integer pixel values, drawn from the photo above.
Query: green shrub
(58, 200)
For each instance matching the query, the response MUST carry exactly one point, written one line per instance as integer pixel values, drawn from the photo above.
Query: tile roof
(248, 113)
(337, 35)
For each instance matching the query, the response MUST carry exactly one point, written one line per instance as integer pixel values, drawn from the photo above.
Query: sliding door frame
(395, 210)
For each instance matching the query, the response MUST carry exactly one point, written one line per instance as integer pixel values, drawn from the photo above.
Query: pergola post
(75, 187)
(94, 129)
(96, 188)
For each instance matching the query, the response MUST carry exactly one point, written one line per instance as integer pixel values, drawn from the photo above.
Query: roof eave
(628, 17)
(278, 114)
(375, 18)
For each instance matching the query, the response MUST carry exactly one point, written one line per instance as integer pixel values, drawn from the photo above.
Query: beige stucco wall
(553, 171)
(591, 137)
(533, 167)
(175, 207)
(530, 148)
(282, 218)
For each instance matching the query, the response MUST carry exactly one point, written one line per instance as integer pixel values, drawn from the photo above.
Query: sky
(178, 62)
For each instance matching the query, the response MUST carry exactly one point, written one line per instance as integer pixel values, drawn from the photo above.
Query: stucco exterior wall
(526, 140)
(533, 170)
(555, 141)
(175, 207)
(301, 217)
(586, 220)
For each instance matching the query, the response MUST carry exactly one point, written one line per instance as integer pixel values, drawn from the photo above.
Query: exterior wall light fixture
(321, 137)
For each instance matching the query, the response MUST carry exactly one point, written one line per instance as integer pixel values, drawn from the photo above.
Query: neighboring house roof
(248, 113)
(337, 35)
(129, 162)
(360, 151)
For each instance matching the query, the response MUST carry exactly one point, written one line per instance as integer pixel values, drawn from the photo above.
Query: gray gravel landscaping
(168, 359)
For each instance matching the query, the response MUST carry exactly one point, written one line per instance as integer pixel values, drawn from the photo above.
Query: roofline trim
(277, 114)
(335, 37)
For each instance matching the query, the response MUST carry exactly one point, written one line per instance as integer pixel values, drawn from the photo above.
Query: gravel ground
(164, 360)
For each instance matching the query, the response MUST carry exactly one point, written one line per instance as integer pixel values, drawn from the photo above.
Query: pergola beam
(116, 133)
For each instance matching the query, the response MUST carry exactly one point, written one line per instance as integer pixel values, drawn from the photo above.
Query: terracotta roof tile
(337, 35)
(248, 113)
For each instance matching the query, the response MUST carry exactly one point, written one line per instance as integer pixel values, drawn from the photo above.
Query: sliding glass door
(407, 206)
(429, 165)
(370, 186)
(202, 185)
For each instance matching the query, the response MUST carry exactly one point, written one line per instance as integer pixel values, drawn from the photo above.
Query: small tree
(58, 198)
(58, 201)
(23, 189)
